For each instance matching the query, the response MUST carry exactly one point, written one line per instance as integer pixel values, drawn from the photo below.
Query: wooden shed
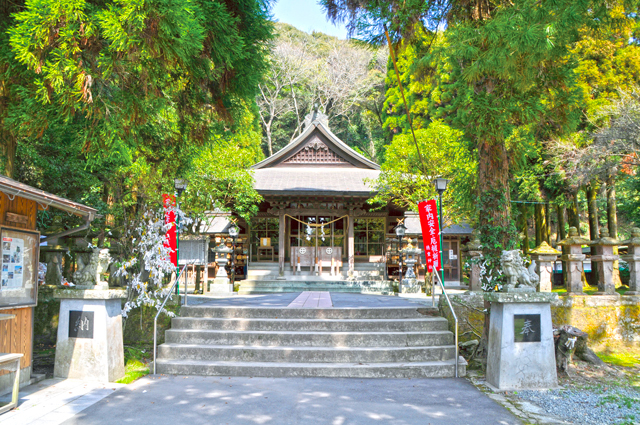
(20, 243)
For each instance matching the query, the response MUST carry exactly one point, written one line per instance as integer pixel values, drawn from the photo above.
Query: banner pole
(440, 232)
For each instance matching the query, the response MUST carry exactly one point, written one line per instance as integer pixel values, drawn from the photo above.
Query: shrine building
(315, 223)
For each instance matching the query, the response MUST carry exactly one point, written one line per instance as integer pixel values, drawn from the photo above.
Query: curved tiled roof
(341, 147)
(305, 180)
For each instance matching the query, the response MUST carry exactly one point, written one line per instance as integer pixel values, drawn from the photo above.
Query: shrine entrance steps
(309, 342)
(263, 278)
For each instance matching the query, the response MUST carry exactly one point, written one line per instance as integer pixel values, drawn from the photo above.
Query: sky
(306, 15)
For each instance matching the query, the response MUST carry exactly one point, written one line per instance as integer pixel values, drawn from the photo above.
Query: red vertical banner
(169, 201)
(428, 211)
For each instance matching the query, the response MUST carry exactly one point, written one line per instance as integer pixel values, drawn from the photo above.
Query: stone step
(440, 369)
(318, 325)
(311, 313)
(309, 339)
(293, 354)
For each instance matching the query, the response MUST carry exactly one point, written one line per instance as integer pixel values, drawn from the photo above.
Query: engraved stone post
(474, 249)
(605, 258)
(574, 260)
(544, 256)
(633, 259)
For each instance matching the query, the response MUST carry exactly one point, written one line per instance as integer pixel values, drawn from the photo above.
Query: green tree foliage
(116, 98)
(401, 180)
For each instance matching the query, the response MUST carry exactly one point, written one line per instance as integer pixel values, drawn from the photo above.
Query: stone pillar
(474, 250)
(281, 242)
(633, 259)
(544, 256)
(351, 245)
(574, 260)
(604, 258)
(89, 345)
(520, 351)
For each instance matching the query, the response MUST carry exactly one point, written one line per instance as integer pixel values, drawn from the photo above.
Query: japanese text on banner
(170, 217)
(428, 211)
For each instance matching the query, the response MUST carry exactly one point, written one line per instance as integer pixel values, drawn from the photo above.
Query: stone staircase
(298, 342)
(263, 277)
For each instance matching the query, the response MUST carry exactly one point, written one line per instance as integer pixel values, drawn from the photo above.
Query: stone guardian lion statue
(519, 278)
(88, 275)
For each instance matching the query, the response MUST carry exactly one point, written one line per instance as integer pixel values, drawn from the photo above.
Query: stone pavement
(262, 401)
(53, 401)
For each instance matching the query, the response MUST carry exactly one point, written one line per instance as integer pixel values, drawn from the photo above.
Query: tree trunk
(592, 207)
(524, 228)
(496, 227)
(547, 214)
(573, 212)
(561, 235)
(612, 224)
(542, 229)
(8, 154)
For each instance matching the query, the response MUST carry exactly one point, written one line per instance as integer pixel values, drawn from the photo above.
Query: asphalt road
(196, 400)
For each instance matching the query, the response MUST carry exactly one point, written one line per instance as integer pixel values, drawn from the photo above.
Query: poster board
(18, 267)
(193, 251)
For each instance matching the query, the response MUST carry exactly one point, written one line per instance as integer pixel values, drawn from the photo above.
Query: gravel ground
(595, 406)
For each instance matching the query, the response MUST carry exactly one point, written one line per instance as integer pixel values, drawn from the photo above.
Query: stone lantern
(633, 259)
(605, 258)
(474, 250)
(410, 283)
(544, 256)
(573, 261)
(221, 282)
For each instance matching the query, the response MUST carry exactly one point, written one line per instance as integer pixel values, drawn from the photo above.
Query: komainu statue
(88, 275)
(519, 278)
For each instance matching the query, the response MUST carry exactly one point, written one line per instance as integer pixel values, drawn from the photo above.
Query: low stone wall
(610, 321)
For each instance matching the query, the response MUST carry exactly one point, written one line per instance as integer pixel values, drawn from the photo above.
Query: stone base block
(631, 293)
(521, 348)
(218, 288)
(89, 345)
(409, 286)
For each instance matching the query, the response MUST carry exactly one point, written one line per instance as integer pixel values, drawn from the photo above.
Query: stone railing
(573, 260)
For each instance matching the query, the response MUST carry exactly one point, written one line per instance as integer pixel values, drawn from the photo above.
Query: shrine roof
(317, 145)
(44, 199)
(317, 180)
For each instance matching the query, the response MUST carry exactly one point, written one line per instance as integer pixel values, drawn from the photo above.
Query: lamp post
(400, 230)
(441, 186)
(180, 185)
(233, 232)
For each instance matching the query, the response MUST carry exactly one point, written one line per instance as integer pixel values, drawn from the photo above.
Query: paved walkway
(53, 401)
(312, 299)
(283, 401)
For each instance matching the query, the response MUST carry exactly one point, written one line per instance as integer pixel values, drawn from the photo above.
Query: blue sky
(306, 15)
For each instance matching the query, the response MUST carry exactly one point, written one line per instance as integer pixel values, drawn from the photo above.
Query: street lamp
(233, 232)
(441, 186)
(400, 231)
(179, 185)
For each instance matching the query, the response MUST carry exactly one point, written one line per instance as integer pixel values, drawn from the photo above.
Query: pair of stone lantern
(474, 249)
(573, 260)
(633, 259)
(605, 259)
(544, 256)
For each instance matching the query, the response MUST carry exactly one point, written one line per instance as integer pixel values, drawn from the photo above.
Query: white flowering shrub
(148, 271)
